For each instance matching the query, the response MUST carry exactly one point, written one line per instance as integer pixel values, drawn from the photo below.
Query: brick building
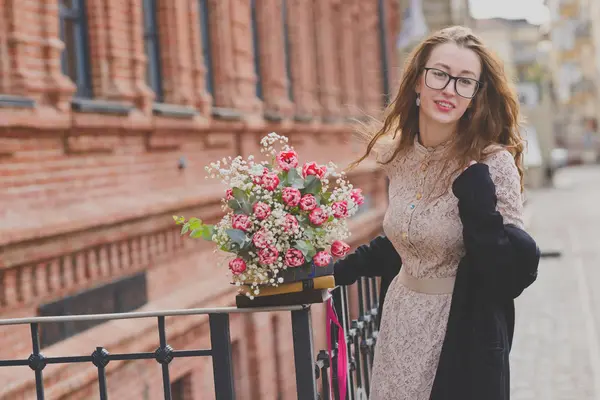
(109, 111)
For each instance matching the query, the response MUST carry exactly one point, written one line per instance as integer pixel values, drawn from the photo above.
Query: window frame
(256, 48)
(204, 21)
(287, 49)
(77, 15)
(383, 45)
(152, 49)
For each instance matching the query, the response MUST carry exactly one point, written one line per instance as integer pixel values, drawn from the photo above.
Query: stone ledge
(273, 116)
(101, 106)
(10, 101)
(174, 110)
(227, 114)
(303, 118)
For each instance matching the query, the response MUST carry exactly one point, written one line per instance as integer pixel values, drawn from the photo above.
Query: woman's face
(443, 103)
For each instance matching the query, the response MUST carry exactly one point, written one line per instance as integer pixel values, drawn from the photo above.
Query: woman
(455, 251)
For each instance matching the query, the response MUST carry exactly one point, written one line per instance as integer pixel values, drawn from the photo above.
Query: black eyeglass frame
(455, 79)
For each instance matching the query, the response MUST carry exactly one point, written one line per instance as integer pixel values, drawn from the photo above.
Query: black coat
(501, 261)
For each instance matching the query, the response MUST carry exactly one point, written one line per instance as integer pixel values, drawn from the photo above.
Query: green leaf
(234, 204)
(283, 176)
(310, 234)
(179, 220)
(240, 201)
(238, 238)
(205, 232)
(325, 197)
(303, 221)
(194, 223)
(313, 185)
(307, 249)
(239, 194)
(294, 179)
(185, 228)
(252, 200)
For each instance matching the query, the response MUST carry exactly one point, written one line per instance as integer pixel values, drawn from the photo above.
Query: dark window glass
(206, 44)
(123, 295)
(75, 58)
(255, 40)
(286, 38)
(152, 46)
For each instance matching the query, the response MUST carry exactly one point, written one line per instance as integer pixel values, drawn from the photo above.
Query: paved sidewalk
(556, 354)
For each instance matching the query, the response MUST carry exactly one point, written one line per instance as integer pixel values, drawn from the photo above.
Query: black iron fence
(361, 328)
(360, 337)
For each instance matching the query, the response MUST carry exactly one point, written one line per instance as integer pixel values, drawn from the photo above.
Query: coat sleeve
(377, 259)
(504, 256)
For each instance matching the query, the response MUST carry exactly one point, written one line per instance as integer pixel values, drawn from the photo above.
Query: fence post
(306, 384)
(220, 340)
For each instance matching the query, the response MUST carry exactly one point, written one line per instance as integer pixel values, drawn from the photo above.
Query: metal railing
(361, 335)
(220, 350)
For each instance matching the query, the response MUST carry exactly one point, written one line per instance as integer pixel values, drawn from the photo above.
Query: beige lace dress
(426, 231)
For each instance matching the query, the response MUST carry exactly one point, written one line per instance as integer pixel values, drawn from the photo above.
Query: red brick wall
(87, 197)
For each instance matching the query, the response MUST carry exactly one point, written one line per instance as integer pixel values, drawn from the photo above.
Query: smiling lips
(444, 106)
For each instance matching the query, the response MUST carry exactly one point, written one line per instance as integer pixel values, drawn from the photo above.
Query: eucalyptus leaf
(283, 176)
(307, 249)
(294, 179)
(309, 233)
(239, 194)
(303, 221)
(234, 204)
(238, 237)
(313, 185)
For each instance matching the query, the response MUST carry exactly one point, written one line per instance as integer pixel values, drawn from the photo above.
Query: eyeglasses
(438, 80)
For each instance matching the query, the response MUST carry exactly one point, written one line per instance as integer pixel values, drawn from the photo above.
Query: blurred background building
(575, 40)
(109, 111)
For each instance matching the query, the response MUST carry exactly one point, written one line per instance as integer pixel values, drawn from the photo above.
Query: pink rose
(287, 160)
(258, 179)
(270, 182)
(241, 221)
(357, 197)
(308, 202)
(317, 216)
(291, 196)
(261, 210)
(229, 194)
(268, 255)
(339, 248)
(340, 209)
(291, 223)
(260, 239)
(312, 168)
(294, 258)
(322, 259)
(237, 266)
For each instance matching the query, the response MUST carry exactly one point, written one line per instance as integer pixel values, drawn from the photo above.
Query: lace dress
(426, 230)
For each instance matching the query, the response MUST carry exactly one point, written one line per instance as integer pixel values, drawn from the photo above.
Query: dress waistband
(426, 285)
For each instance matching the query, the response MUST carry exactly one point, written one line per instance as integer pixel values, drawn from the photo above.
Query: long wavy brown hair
(492, 118)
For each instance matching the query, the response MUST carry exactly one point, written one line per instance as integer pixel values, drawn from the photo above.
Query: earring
(418, 99)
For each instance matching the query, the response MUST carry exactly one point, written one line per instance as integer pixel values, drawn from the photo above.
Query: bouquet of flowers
(279, 215)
